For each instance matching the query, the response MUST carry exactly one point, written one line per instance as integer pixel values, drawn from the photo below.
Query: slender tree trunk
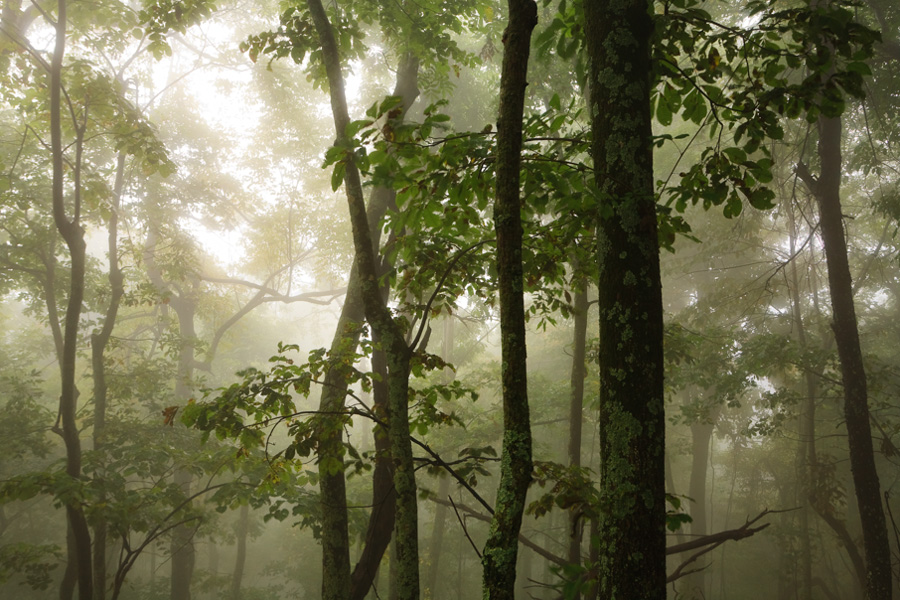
(632, 414)
(436, 546)
(384, 499)
(853, 375)
(701, 434)
(240, 559)
(213, 564)
(183, 551)
(576, 407)
(383, 325)
(806, 451)
(383, 516)
(337, 582)
(71, 231)
(99, 342)
(182, 546)
(501, 548)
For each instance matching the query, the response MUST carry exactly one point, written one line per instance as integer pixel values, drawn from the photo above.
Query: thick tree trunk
(853, 376)
(501, 548)
(632, 415)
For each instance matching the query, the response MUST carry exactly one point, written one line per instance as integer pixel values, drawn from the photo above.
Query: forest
(449, 299)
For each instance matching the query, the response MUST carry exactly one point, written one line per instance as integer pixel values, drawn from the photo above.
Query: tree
(632, 414)
(501, 548)
(827, 190)
(384, 327)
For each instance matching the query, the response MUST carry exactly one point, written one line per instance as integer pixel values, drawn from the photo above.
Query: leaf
(337, 176)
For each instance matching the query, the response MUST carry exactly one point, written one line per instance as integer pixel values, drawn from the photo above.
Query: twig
(465, 530)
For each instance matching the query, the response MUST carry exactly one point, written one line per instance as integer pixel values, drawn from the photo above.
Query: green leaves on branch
(725, 178)
(740, 81)
(160, 17)
(249, 411)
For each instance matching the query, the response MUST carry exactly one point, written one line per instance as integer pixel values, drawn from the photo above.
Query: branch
(802, 171)
(440, 284)
(740, 533)
(522, 539)
(464, 528)
(708, 543)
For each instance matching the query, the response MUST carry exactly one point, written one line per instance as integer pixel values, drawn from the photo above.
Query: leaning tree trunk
(337, 582)
(632, 415)
(501, 548)
(79, 547)
(384, 501)
(853, 375)
(393, 342)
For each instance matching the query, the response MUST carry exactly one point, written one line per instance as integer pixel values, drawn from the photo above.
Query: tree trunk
(337, 582)
(701, 434)
(384, 499)
(501, 548)
(437, 538)
(576, 407)
(79, 548)
(183, 551)
(240, 559)
(435, 548)
(389, 332)
(806, 450)
(99, 342)
(853, 375)
(182, 547)
(632, 414)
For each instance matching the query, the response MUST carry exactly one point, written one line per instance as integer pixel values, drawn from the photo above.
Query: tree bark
(99, 342)
(632, 415)
(501, 548)
(240, 558)
(378, 315)
(806, 450)
(576, 407)
(436, 546)
(73, 234)
(853, 375)
(701, 434)
(336, 577)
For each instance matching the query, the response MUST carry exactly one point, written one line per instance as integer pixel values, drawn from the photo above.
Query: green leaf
(337, 176)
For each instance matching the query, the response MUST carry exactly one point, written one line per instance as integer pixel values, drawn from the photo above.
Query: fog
(244, 356)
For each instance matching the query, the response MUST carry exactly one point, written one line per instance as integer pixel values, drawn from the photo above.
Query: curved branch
(440, 284)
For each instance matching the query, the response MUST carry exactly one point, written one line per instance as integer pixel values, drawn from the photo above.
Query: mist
(449, 300)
